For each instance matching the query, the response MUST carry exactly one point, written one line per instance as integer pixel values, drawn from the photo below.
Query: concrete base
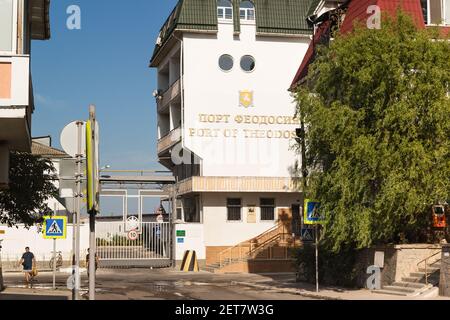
(260, 267)
(151, 263)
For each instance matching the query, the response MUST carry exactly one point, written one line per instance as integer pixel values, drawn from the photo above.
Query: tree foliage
(377, 110)
(31, 185)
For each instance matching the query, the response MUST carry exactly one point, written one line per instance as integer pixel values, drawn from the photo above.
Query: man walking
(29, 263)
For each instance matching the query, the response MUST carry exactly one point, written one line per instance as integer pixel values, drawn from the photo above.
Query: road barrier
(190, 262)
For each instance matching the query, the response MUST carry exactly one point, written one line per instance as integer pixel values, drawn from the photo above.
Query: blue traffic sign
(308, 235)
(312, 213)
(55, 227)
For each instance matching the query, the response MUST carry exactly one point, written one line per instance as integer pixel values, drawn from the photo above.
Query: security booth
(444, 289)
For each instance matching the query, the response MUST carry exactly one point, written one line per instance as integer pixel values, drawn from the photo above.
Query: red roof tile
(303, 70)
(357, 11)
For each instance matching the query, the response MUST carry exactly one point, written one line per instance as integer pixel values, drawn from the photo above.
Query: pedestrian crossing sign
(55, 228)
(313, 214)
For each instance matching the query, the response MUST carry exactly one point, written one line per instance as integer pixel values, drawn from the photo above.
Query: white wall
(209, 90)
(194, 240)
(220, 232)
(16, 239)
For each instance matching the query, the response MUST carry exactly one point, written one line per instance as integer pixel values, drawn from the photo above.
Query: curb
(286, 290)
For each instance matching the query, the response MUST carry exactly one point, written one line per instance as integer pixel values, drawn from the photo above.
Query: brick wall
(212, 254)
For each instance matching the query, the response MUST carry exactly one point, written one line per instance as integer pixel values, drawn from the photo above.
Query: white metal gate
(150, 246)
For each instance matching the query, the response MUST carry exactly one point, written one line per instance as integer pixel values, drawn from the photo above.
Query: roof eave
(40, 19)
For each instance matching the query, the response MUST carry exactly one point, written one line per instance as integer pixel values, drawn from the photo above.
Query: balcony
(169, 95)
(169, 141)
(16, 102)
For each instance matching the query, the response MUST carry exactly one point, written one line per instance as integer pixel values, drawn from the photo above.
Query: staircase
(273, 245)
(427, 277)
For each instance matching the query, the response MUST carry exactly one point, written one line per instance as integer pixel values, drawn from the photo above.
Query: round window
(226, 62)
(248, 63)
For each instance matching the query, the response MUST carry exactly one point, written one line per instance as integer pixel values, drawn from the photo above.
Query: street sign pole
(74, 249)
(54, 255)
(78, 209)
(317, 258)
(93, 189)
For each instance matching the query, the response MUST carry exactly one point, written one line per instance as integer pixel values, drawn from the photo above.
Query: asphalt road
(160, 284)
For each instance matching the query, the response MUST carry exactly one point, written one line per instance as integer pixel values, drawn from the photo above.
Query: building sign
(265, 125)
(251, 214)
(2, 232)
(180, 240)
(181, 233)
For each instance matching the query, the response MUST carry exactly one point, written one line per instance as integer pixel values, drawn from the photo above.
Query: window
(179, 209)
(247, 11)
(234, 208)
(6, 25)
(226, 62)
(267, 209)
(248, 63)
(224, 10)
(436, 12)
(191, 210)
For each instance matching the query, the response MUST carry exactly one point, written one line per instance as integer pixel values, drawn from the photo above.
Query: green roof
(282, 17)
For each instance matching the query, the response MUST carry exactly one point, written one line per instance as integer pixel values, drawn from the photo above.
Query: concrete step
(430, 270)
(417, 274)
(405, 290)
(414, 285)
(413, 279)
(390, 292)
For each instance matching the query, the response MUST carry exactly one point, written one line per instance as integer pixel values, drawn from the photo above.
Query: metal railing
(425, 261)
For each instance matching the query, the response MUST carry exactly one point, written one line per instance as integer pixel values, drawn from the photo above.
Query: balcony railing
(169, 140)
(170, 94)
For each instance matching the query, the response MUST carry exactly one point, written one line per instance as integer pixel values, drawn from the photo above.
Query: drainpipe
(175, 186)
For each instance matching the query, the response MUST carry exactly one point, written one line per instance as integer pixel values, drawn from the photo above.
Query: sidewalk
(286, 283)
(34, 294)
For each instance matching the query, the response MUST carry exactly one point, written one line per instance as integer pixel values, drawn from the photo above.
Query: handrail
(426, 264)
(240, 245)
(267, 242)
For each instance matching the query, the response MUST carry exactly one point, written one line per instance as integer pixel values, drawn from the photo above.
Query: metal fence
(115, 248)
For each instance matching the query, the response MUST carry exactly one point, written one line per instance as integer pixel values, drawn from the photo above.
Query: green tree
(31, 185)
(377, 112)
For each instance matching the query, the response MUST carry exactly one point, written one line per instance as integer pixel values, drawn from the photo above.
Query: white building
(226, 119)
(15, 239)
(20, 22)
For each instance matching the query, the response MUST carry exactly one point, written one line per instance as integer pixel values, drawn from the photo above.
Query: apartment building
(20, 22)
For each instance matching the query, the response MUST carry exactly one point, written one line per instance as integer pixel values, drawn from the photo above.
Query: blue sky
(106, 64)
